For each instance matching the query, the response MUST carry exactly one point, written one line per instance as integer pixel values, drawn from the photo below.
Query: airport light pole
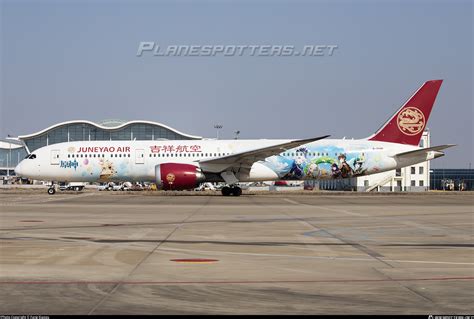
(9, 157)
(218, 127)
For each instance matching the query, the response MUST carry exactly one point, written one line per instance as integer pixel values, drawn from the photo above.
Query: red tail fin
(407, 125)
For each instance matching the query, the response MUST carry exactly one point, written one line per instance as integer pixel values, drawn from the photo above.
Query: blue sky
(65, 60)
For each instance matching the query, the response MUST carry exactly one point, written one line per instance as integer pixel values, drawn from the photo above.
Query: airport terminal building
(13, 150)
(107, 130)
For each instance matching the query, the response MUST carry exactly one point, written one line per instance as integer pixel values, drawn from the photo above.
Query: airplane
(184, 164)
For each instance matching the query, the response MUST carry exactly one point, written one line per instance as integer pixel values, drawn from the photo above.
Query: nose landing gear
(231, 190)
(52, 190)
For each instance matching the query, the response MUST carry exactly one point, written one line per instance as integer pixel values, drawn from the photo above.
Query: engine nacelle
(178, 176)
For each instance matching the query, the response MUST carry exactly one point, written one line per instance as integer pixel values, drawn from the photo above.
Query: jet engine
(178, 176)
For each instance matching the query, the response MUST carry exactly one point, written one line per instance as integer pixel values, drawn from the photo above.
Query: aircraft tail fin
(406, 126)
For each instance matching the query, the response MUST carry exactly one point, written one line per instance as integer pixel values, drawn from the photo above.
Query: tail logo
(411, 121)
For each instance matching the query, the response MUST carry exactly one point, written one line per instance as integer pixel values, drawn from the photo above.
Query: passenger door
(139, 156)
(54, 157)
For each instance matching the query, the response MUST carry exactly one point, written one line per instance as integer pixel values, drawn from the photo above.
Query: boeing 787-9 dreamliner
(184, 164)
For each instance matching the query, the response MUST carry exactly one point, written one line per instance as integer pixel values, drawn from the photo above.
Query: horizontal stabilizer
(425, 151)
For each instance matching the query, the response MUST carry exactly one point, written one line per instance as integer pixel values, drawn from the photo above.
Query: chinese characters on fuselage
(176, 149)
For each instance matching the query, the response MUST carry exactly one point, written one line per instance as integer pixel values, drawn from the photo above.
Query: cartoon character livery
(177, 165)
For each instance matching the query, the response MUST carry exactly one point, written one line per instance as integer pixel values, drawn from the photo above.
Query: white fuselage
(92, 161)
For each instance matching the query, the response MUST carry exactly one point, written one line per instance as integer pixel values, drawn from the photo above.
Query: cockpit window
(31, 156)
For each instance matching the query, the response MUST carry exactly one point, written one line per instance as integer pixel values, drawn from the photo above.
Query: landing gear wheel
(226, 191)
(51, 191)
(236, 191)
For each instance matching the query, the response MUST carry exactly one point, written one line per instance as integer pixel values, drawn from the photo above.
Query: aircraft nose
(18, 170)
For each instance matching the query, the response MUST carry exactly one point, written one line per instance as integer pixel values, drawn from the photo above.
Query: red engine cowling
(177, 176)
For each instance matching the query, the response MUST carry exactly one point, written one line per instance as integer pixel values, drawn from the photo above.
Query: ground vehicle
(205, 187)
(64, 186)
(103, 187)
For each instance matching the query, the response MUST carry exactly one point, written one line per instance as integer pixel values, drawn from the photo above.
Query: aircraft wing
(247, 158)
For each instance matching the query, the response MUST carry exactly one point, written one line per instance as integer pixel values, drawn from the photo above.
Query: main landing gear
(231, 190)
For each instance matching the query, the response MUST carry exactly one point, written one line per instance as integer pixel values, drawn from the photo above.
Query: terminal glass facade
(88, 132)
(9, 158)
(452, 179)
